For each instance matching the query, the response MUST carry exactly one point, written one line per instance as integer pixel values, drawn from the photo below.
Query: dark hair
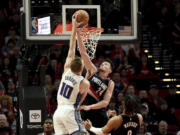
(109, 61)
(48, 117)
(76, 64)
(131, 104)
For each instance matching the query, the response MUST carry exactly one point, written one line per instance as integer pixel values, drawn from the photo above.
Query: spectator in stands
(11, 91)
(2, 89)
(117, 55)
(12, 36)
(6, 107)
(112, 108)
(57, 54)
(125, 65)
(149, 122)
(53, 100)
(135, 54)
(119, 99)
(53, 69)
(7, 50)
(163, 129)
(165, 114)
(172, 98)
(48, 127)
(6, 69)
(49, 87)
(119, 85)
(154, 101)
(4, 125)
(124, 76)
(153, 95)
(143, 130)
(144, 68)
(130, 89)
(143, 96)
(15, 56)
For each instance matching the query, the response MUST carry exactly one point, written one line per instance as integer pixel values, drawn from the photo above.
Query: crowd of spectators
(133, 73)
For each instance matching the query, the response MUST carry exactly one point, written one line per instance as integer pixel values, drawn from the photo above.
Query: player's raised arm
(90, 67)
(84, 87)
(72, 45)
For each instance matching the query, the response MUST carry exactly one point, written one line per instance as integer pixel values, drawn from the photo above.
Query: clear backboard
(49, 21)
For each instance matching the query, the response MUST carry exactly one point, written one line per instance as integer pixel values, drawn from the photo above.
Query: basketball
(82, 16)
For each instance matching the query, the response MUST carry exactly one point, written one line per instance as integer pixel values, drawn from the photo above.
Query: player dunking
(72, 91)
(127, 123)
(101, 88)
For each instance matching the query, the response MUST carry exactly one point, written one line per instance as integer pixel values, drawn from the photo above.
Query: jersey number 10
(66, 90)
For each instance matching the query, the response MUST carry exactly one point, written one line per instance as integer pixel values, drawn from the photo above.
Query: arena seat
(177, 114)
(163, 93)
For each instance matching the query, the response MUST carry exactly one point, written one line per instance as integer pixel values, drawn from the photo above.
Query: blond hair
(76, 64)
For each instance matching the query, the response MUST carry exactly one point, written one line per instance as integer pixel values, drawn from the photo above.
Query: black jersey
(129, 126)
(98, 87)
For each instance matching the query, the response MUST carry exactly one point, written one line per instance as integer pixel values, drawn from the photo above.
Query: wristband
(97, 131)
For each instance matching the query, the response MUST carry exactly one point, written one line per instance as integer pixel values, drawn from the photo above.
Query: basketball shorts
(67, 120)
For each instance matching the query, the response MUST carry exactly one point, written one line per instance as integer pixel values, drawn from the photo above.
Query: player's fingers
(88, 120)
(80, 108)
(79, 24)
(85, 26)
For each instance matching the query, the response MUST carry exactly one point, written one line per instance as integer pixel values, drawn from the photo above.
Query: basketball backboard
(49, 21)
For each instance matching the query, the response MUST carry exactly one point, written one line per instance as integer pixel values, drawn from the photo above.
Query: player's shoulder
(139, 115)
(117, 118)
(85, 82)
(140, 118)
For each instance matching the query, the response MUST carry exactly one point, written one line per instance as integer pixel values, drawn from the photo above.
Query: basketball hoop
(90, 37)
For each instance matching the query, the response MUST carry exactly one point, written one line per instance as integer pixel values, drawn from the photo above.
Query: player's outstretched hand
(76, 24)
(87, 124)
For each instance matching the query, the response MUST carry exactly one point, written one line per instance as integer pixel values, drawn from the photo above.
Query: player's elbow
(106, 103)
(87, 85)
(94, 70)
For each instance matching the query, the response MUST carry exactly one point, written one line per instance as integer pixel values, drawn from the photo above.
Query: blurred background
(148, 68)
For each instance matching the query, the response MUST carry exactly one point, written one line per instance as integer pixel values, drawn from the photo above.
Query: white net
(90, 37)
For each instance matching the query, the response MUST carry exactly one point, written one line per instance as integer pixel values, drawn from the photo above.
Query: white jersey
(68, 93)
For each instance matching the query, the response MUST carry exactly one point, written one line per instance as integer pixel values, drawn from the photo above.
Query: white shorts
(67, 120)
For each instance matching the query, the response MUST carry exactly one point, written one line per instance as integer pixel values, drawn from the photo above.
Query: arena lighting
(166, 74)
(177, 92)
(178, 86)
(146, 51)
(169, 80)
(45, 1)
(156, 62)
(158, 68)
(149, 56)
